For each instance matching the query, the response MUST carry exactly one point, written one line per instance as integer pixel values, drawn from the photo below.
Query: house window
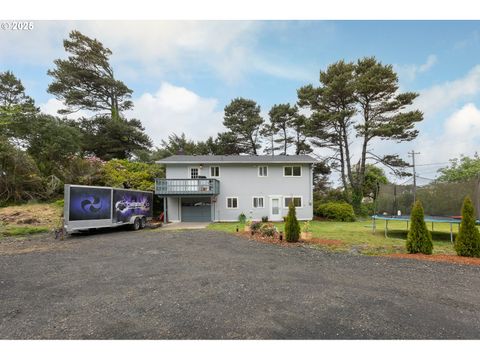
(292, 171)
(263, 171)
(297, 201)
(232, 202)
(194, 173)
(258, 202)
(215, 171)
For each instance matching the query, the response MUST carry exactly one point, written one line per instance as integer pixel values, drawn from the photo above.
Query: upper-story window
(262, 171)
(292, 171)
(194, 173)
(214, 171)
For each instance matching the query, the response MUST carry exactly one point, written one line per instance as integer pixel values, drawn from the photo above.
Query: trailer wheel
(143, 223)
(136, 224)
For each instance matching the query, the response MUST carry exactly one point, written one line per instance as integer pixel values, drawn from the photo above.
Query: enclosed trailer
(92, 207)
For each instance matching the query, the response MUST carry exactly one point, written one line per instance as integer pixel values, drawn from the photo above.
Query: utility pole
(412, 155)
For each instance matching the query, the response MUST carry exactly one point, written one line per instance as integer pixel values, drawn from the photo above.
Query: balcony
(177, 187)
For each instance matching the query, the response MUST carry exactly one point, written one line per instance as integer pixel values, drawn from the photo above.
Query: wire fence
(438, 198)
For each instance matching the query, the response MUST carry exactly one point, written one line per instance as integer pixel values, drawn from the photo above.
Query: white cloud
(460, 134)
(411, 71)
(52, 106)
(227, 48)
(174, 109)
(444, 96)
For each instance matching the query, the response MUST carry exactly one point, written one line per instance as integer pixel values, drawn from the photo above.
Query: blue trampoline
(428, 219)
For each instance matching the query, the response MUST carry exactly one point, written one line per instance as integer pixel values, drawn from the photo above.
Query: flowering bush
(268, 230)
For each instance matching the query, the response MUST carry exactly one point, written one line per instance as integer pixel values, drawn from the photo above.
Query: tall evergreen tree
(242, 118)
(419, 239)
(333, 106)
(383, 116)
(86, 81)
(109, 139)
(467, 242)
(281, 116)
(370, 89)
(17, 110)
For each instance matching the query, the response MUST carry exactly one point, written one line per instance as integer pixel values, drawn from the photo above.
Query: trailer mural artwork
(93, 207)
(129, 203)
(89, 203)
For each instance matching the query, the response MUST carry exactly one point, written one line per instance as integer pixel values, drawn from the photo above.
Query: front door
(275, 209)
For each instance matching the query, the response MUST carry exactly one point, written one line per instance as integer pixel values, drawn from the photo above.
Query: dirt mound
(34, 214)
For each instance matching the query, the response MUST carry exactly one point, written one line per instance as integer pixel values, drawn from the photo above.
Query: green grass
(359, 235)
(12, 230)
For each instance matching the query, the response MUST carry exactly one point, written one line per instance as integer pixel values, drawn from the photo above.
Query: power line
(433, 164)
(412, 154)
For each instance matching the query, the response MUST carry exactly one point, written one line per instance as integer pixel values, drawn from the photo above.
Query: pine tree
(467, 242)
(419, 239)
(292, 227)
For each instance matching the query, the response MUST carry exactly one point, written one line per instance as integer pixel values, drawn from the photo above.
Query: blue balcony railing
(187, 187)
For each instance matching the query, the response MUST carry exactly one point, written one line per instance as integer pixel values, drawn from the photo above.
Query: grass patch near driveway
(21, 220)
(357, 236)
(12, 230)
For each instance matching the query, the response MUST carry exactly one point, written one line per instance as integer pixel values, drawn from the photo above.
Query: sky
(183, 73)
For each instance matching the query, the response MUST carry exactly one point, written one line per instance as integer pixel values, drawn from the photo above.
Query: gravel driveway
(201, 284)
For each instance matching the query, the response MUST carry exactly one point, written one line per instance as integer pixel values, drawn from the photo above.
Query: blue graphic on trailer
(88, 203)
(129, 203)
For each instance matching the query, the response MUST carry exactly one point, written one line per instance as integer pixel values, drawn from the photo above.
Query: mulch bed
(439, 258)
(276, 240)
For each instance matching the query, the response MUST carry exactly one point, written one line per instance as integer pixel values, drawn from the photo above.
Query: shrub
(467, 242)
(419, 239)
(59, 203)
(365, 210)
(268, 230)
(255, 226)
(242, 218)
(306, 227)
(292, 227)
(336, 211)
(264, 219)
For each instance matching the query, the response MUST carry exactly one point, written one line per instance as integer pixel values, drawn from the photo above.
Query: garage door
(196, 209)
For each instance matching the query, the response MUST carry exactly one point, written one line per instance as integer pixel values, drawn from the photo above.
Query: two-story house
(220, 188)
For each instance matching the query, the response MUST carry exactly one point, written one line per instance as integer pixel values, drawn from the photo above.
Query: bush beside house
(292, 227)
(419, 239)
(338, 211)
(467, 242)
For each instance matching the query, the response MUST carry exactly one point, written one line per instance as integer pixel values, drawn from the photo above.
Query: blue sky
(183, 73)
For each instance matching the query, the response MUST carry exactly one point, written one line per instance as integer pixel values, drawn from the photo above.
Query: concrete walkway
(185, 225)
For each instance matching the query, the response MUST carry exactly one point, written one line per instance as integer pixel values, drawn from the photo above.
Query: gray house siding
(241, 181)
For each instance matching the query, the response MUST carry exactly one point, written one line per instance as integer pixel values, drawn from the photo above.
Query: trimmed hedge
(467, 242)
(337, 211)
(419, 239)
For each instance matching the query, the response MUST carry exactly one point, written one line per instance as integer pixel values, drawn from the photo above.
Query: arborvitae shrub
(292, 227)
(419, 239)
(467, 242)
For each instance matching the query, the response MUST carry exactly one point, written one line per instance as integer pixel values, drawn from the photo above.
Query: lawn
(357, 236)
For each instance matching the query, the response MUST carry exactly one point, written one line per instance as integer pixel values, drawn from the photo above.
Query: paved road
(201, 284)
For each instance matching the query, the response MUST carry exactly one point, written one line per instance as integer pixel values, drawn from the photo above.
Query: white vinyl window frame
(190, 172)
(258, 198)
(262, 171)
(213, 173)
(293, 197)
(231, 198)
(291, 167)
